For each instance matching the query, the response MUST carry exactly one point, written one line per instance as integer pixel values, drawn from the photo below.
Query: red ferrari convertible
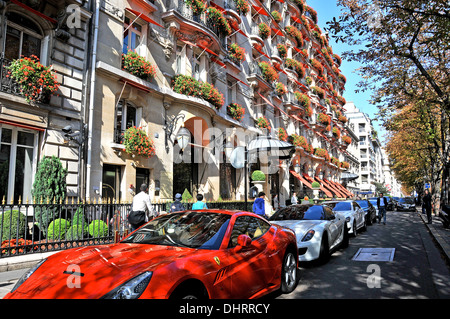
(192, 254)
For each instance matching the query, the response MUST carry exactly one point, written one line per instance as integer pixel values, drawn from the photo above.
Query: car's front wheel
(289, 278)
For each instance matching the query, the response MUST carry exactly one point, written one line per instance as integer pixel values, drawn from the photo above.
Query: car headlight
(309, 235)
(27, 275)
(132, 289)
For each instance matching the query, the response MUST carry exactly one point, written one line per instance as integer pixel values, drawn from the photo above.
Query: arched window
(23, 37)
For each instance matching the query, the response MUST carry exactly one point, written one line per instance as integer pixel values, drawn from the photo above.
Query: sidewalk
(438, 232)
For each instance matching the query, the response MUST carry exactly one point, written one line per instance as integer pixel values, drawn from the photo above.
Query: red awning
(296, 19)
(238, 79)
(23, 125)
(144, 17)
(218, 62)
(261, 52)
(260, 10)
(332, 188)
(323, 189)
(206, 49)
(300, 178)
(239, 30)
(277, 31)
(34, 11)
(270, 103)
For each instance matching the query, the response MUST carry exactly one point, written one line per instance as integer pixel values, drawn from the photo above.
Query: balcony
(7, 84)
(189, 23)
(255, 75)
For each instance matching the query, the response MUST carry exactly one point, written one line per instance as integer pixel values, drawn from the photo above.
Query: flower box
(268, 72)
(236, 53)
(197, 6)
(36, 81)
(263, 123)
(219, 20)
(187, 85)
(138, 66)
(136, 142)
(282, 135)
(296, 34)
(264, 30)
(236, 111)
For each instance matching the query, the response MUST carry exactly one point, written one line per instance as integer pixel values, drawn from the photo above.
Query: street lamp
(183, 137)
(297, 167)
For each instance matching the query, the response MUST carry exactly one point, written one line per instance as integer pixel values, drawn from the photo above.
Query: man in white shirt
(140, 209)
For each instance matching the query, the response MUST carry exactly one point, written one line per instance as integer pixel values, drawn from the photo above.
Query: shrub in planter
(258, 176)
(186, 196)
(138, 66)
(57, 229)
(98, 228)
(11, 221)
(78, 218)
(36, 81)
(315, 185)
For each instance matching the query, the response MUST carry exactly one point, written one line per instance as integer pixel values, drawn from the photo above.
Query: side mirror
(332, 217)
(243, 241)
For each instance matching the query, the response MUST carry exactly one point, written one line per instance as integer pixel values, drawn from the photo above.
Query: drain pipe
(91, 101)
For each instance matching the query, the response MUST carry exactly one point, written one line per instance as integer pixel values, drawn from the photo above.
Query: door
(333, 224)
(18, 161)
(359, 214)
(250, 269)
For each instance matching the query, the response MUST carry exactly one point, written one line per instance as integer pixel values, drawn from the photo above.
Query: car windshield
(299, 212)
(404, 200)
(201, 230)
(363, 203)
(343, 206)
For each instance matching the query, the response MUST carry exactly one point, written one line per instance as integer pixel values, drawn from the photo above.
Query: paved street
(417, 270)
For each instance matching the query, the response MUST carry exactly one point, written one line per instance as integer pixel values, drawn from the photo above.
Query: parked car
(373, 201)
(406, 204)
(319, 231)
(352, 212)
(370, 213)
(390, 202)
(191, 254)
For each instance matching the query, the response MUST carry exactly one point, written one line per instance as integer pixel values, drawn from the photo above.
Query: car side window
(355, 206)
(251, 226)
(328, 212)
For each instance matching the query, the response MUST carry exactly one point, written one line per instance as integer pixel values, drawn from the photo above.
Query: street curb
(441, 243)
(21, 262)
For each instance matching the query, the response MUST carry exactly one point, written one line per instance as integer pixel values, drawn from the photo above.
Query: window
(23, 37)
(247, 225)
(127, 115)
(18, 157)
(196, 66)
(131, 36)
(111, 182)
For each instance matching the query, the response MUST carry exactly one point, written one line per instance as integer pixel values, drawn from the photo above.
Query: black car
(370, 213)
(406, 204)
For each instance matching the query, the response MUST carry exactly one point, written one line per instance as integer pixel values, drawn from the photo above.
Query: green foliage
(258, 176)
(98, 228)
(76, 232)
(186, 196)
(9, 221)
(58, 228)
(78, 218)
(49, 185)
(315, 185)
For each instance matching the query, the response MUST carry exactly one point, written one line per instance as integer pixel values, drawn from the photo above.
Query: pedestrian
(258, 205)
(276, 202)
(199, 204)
(141, 209)
(294, 199)
(177, 205)
(426, 203)
(381, 204)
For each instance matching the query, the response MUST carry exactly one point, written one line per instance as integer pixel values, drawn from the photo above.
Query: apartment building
(217, 72)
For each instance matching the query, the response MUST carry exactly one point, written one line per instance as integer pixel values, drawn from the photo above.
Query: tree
(49, 187)
(404, 51)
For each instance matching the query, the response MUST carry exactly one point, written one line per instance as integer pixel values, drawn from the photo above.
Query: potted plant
(268, 72)
(136, 142)
(296, 34)
(280, 89)
(138, 66)
(236, 111)
(197, 6)
(282, 50)
(276, 16)
(336, 132)
(236, 53)
(318, 91)
(242, 6)
(258, 179)
(185, 84)
(317, 65)
(264, 30)
(323, 119)
(297, 66)
(282, 135)
(316, 187)
(36, 81)
(219, 20)
(263, 123)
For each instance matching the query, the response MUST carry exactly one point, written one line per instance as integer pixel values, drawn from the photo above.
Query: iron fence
(37, 228)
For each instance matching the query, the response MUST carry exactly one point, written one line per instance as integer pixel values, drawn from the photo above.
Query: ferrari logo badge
(217, 260)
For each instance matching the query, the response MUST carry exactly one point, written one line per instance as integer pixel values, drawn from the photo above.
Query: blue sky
(326, 10)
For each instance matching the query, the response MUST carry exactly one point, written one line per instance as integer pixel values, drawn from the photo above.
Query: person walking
(199, 204)
(141, 209)
(294, 199)
(381, 204)
(427, 204)
(177, 205)
(258, 205)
